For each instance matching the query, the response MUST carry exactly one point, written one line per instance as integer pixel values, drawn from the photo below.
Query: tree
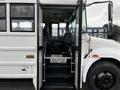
(114, 33)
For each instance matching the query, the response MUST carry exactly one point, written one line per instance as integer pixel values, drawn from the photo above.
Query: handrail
(44, 63)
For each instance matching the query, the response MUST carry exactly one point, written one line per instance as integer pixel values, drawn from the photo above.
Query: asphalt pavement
(16, 84)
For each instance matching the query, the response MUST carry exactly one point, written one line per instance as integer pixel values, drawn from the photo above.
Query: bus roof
(18, 1)
(59, 2)
(53, 2)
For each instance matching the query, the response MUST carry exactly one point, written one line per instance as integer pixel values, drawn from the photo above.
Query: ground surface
(85, 87)
(16, 85)
(21, 85)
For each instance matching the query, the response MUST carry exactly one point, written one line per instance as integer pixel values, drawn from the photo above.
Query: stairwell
(58, 76)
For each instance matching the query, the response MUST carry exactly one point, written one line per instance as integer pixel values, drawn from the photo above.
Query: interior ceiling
(57, 14)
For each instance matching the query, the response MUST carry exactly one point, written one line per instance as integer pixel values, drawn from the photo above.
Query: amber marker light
(95, 56)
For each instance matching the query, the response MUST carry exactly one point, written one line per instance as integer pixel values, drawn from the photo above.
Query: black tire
(103, 75)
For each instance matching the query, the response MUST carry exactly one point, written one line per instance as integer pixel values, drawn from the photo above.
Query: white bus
(18, 47)
(43, 47)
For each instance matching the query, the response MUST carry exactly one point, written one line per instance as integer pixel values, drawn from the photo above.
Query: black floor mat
(16, 84)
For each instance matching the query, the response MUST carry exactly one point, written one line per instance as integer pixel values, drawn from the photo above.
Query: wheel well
(114, 61)
(104, 70)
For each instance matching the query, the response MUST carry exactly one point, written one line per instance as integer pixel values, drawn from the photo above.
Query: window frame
(22, 18)
(4, 18)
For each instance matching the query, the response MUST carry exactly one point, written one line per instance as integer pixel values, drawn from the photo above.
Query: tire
(103, 76)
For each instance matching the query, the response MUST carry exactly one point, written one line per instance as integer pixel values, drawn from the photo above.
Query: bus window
(2, 18)
(54, 30)
(62, 29)
(43, 25)
(22, 18)
(72, 26)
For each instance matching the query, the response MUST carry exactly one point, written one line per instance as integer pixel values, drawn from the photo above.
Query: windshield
(97, 20)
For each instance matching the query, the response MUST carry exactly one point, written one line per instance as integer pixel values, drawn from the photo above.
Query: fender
(96, 55)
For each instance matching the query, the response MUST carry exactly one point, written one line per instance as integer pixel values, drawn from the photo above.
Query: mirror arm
(87, 5)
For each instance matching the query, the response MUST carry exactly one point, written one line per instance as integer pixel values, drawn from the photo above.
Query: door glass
(84, 21)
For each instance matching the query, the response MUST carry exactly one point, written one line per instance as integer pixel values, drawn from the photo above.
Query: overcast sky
(98, 14)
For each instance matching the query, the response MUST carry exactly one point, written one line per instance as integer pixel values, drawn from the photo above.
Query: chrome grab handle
(44, 64)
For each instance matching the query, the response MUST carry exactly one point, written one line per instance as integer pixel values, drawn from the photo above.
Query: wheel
(104, 76)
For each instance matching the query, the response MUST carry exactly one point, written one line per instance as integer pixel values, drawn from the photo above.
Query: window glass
(2, 10)
(70, 27)
(62, 25)
(43, 25)
(62, 29)
(84, 21)
(22, 18)
(2, 17)
(97, 15)
(22, 11)
(22, 25)
(55, 30)
(2, 25)
(74, 25)
(72, 30)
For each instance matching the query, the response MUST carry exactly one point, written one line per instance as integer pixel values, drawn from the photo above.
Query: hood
(103, 43)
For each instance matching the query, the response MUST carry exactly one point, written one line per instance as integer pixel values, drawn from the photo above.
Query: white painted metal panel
(17, 56)
(18, 41)
(71, 2)
(18, 1)
(15, 69)
(18, 76)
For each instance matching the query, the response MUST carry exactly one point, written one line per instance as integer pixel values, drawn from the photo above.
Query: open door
(78, 79)
(40, 74)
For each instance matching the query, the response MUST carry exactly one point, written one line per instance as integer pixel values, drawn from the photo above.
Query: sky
(98, 14)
